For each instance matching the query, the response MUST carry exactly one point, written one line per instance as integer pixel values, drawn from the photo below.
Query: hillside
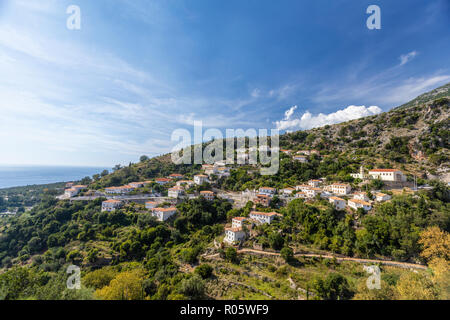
(413, 137)
(184, 257)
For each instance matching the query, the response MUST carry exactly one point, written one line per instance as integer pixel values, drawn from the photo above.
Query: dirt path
(326, 256)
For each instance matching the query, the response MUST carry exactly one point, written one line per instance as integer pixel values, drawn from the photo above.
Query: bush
(204, 270)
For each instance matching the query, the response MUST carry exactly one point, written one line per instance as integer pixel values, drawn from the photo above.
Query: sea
(18, 176)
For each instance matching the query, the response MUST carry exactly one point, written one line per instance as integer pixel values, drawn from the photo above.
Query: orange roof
(383, 170)
(112, 201)
(360, 202)
(164, 209)
(162, 179)
(152, 202)
(233, 229)
(270, 188)
(206, 192)
(337, 198)
(269, 214)
(176, 175)
(239, 218)
(176, 188)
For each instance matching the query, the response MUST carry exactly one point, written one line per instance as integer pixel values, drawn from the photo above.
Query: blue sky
(137, 70)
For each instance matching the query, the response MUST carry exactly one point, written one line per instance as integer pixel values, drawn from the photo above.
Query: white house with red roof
(233, 235)
(199, 179)
(263, 217)
(267, 191)
(111, 205)
(208, 195)
(175, 192)
(337, 202)
(287, 191)
(162, 181)
(314, 183)
(136, 184)
(71, 192)
(387, 175)
(237, 222)
(355, 204)
(361, 196)
(379, 196)
(339, 188)
(162, 214)
(312, 192)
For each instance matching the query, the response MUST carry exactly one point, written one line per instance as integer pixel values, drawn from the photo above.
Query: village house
(162, 181)
(200, 179)
(233, 235)
(175, 192)
(338, 203)
(379, 196)
(287, 191)
(339, 188)
(176, 176)
(301, 195)
(136, 184)
(263, 217)
(162, 214)
(387, 175)
(302, 187)
(302, 159)
(263, 200)
(223, 172)
(119, 190)
(312, 192)
(150, 204)
(314, 183)
(267, 191)
(286, 151)
(79, 187)
(189, 183)
(111, 205)
(210, 169)
(237, 222)
(355, 204)
(71, 192)
(208, 195)
(361, 196)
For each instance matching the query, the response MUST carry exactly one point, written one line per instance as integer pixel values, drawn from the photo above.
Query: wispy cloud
(405, 58)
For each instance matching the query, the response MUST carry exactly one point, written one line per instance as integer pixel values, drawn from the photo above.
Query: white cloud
(405, 58)
(289, 112)
(308, 120)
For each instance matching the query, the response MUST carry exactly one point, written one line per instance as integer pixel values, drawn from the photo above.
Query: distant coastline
(18, 176)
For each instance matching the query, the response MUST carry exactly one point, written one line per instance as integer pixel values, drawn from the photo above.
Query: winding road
(327, 256)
